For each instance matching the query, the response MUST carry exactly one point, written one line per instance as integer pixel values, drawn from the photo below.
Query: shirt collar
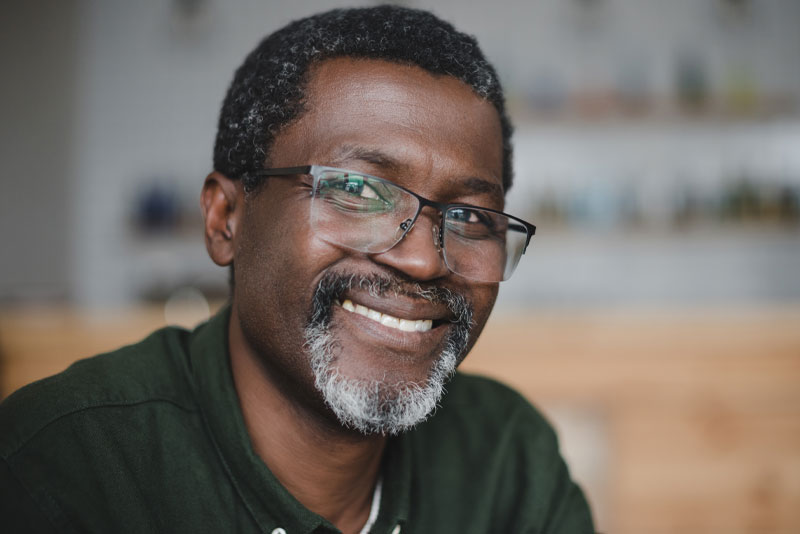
(270, 504)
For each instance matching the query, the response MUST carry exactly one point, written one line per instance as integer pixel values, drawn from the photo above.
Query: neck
(331, 470)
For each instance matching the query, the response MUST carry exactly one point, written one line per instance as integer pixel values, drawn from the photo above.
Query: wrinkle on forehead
(435, 123)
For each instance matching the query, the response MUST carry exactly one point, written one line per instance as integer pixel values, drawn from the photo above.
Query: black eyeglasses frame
(441, 207)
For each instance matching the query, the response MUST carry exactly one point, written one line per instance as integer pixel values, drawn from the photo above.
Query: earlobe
(218, 202)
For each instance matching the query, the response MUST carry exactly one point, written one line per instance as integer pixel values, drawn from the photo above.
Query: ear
(220, 203)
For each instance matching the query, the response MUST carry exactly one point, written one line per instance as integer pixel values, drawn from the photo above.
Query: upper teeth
(406, 325)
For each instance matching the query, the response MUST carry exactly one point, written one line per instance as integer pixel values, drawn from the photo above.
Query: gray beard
(376, 406)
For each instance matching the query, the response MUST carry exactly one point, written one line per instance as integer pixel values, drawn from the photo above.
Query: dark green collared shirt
(150, 438)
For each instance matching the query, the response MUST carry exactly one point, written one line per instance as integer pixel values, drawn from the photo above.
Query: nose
(418, 254)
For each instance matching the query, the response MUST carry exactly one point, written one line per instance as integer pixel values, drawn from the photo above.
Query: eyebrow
(367, 155)
(481, 186)
(472, 184)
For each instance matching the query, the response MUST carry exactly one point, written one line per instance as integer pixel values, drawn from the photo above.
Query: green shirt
(150, 438)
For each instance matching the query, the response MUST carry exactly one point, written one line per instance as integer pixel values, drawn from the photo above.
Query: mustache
(333, 285)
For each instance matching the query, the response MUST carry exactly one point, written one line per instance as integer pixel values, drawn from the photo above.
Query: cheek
(483, 302)
(277, 265)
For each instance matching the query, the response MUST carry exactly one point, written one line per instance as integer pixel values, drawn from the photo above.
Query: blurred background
(656, 316)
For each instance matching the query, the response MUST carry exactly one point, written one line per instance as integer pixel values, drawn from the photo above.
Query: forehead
(433, 125)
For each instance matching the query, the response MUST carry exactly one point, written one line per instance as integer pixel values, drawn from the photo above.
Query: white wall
(38, 54)
(139, 84)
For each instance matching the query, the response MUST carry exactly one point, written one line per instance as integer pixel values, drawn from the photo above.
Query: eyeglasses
(369, 214)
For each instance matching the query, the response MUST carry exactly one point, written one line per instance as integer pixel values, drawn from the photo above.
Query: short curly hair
(267, 90)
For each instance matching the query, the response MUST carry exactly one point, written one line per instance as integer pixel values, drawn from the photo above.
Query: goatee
(376, 406)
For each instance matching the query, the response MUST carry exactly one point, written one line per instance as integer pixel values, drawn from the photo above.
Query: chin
(389, 403)
(376, 406)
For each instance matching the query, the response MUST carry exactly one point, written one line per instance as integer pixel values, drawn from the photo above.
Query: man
(360, 169)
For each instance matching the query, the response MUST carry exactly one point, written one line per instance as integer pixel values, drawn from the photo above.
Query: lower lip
(391, 337)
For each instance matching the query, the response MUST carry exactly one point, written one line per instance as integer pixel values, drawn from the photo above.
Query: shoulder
(152, 370)
(100, 446)
(487, 447)
(479, 416)
(492, 405)
(467, 389)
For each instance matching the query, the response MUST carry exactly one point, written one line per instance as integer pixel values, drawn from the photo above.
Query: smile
(406, 325)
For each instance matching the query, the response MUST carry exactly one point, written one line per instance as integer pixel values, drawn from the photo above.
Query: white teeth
(423, 326)
(406, 325)
(388, 320)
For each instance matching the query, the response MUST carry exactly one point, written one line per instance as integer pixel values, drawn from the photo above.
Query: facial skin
(428, 133)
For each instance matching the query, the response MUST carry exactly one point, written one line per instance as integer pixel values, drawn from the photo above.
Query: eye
(468, 223)
(348, 183)
(464, 215)
(368, 191)
(355, 193)
(357, 185)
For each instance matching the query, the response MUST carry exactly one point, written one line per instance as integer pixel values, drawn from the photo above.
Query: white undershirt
(374, 509)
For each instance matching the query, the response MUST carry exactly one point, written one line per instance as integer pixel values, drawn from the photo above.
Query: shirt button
(396, 530)
(279, 530)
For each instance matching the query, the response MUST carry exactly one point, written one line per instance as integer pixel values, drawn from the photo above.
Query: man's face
(430, 134)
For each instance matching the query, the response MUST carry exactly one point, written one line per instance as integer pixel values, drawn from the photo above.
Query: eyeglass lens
(372, 215)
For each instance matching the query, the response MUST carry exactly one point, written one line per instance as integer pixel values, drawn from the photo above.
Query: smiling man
(361, 165)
